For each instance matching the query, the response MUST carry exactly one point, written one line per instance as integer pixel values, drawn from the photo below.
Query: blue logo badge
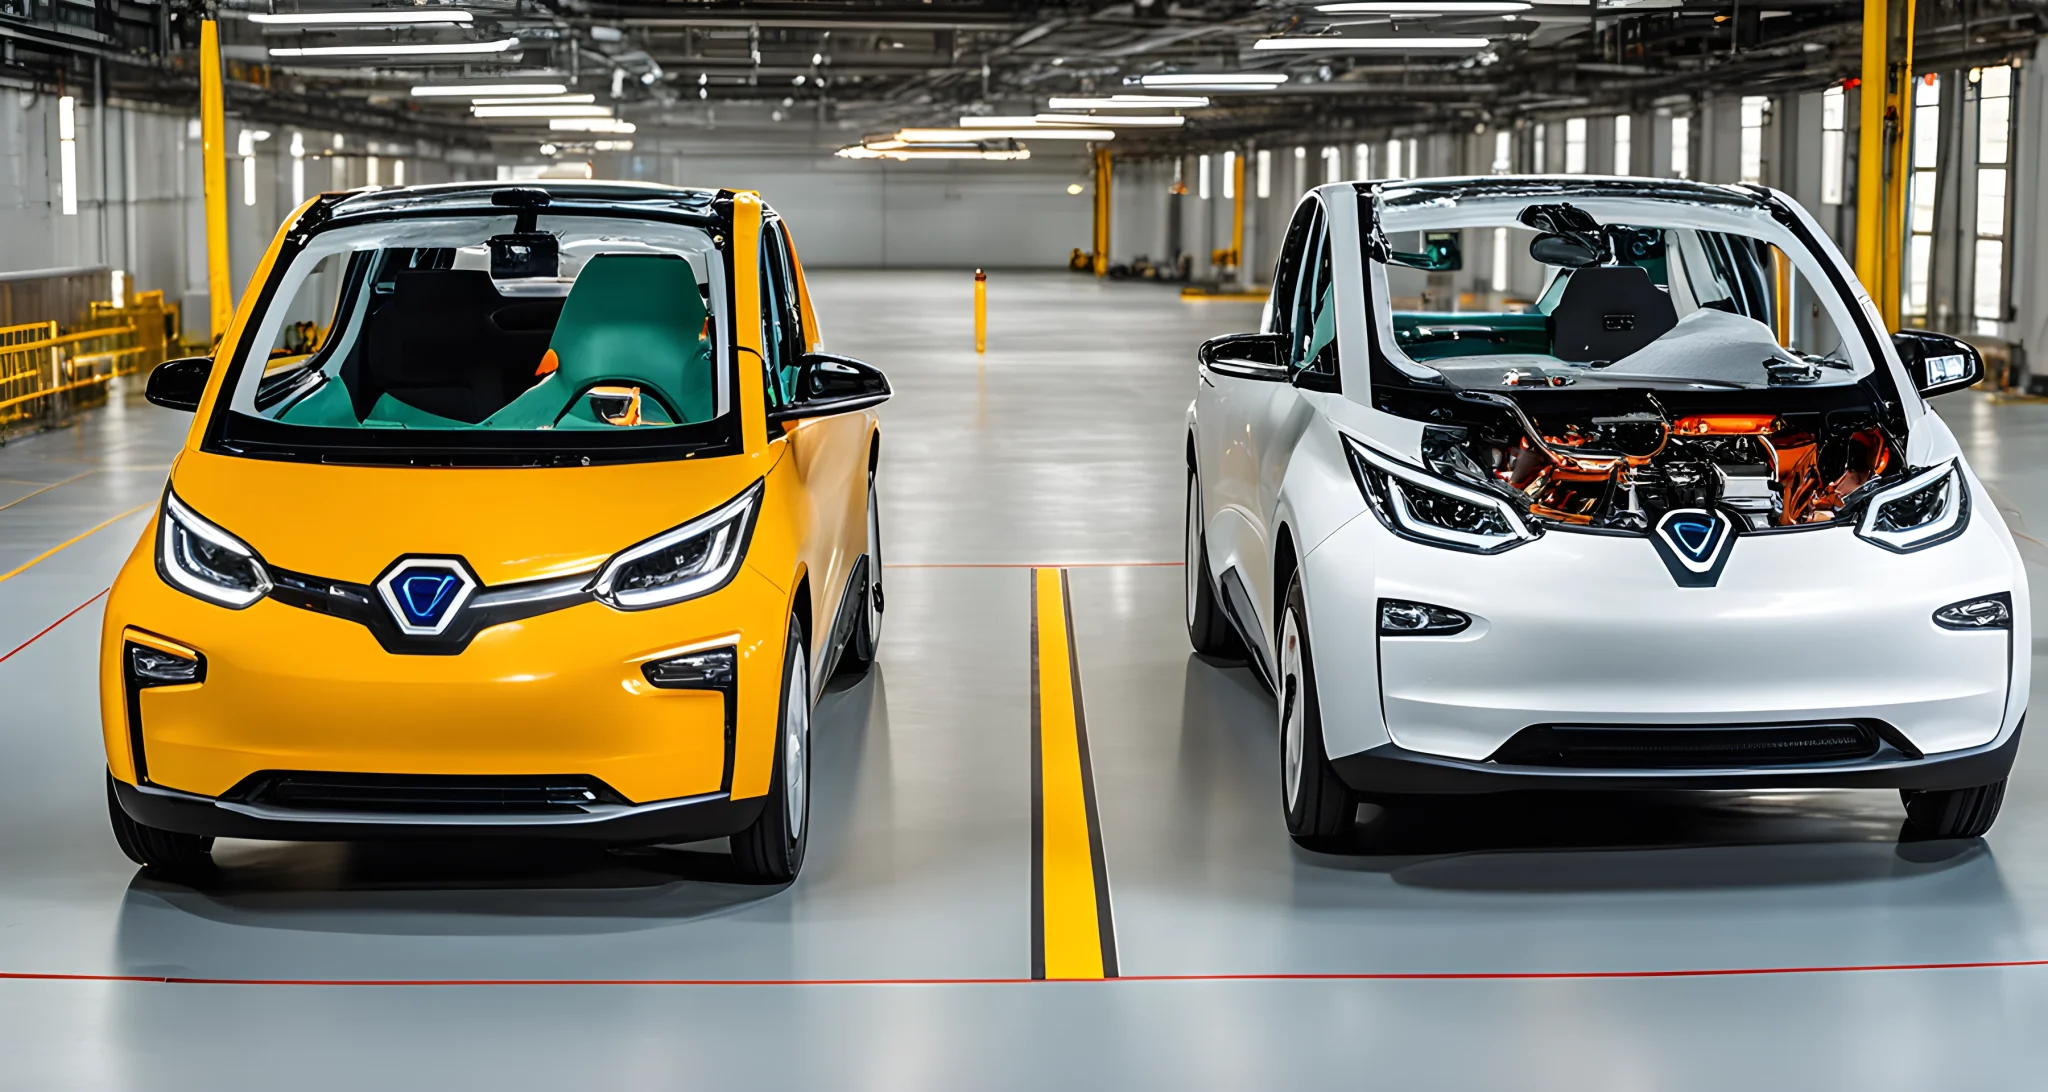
(425, 594)
(1694, 544)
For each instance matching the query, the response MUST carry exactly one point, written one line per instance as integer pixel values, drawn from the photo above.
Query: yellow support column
(1237, 218)
(980, 311)
(1899, 106)
(1870, 148)
(213, 141)
(1102, 184)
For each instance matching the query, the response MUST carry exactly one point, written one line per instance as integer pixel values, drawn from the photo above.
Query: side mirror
(178, 384)
(1246, 356)
(1938, 363)
(828, 384)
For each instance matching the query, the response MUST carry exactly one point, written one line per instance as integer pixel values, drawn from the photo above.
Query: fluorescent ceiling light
(1129, 102)
(363, 18)
(562, 111)
(591, 125)
(1249, 80)
(941, 136)
(1136, 121)
(863, 151)
(1425, 7)
(396, 50)
(472, 90)
(1331, 45)
(1024, 122)
(536, 100)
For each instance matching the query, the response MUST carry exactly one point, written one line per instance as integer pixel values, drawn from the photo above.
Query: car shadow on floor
(1581, 841)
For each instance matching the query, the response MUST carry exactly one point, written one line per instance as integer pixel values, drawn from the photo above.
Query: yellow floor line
(44, 489)
(74, 539)
(1073, 937)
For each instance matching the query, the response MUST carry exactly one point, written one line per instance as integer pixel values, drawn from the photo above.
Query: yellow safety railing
(39, 361)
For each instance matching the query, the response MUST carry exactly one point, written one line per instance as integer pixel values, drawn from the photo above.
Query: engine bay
(1622, 464)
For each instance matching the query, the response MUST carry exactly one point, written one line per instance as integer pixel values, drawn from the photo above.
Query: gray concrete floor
(1527, 944)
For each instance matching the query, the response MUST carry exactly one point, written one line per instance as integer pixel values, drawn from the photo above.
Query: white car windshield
(1505, 291)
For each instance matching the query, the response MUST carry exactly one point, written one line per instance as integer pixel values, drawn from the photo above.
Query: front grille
(1641, 747)
(423, 794)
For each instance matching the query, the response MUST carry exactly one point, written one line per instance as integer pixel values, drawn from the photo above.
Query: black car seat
(1607, 312)
(440, 344)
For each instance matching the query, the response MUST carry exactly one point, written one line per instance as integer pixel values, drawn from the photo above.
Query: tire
(866, 640)
(1208, 630)
(1953, 813)
(162, 853)
(1320, 807)
(771, 850)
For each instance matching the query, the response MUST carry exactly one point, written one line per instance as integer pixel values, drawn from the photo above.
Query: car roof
(626, 195)
(1413, 191)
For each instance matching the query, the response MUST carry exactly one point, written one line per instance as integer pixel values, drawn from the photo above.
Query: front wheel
(771, 850)
(1320, 806)
(1953, 813)
(164, 853)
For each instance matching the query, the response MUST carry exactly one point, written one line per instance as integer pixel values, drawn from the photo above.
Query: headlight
(200, 558)
(1418, 505)
(1401, 618)
(1929, 507)
(695, 559)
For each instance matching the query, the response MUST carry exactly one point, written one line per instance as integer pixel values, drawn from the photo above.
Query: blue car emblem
(425, 594)
(1694, 544)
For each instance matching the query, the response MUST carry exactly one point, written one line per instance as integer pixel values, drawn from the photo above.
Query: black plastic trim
(1390, 769)
(360, 603)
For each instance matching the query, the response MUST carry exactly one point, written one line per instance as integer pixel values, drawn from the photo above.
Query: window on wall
(1920, 192)
(1414, 156)
(1394, 159)
(1681, 147)
(1503, 152)
(1539, 162)
(1575, 145)
(1263, 167)
(1333, 164)
(1361, 160)
(1229, 175)
(1756, 110)
(1500, 259)
(1994, 146)
(1202, 177)
(1300, 169)
(1623, 153)
(1834, 153)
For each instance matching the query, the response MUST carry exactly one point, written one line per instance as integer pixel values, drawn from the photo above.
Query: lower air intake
(1638, 747)
(423, 794)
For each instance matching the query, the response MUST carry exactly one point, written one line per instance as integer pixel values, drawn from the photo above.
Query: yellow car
(506, 510)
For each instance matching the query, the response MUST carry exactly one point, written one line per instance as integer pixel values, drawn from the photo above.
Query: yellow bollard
(980, 311)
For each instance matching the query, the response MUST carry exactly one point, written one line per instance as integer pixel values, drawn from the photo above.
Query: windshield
(1503, 292)
(509, 331)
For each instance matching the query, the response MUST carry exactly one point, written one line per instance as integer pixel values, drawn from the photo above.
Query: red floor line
(54, 625)
(1032, 565)
(1358, 976)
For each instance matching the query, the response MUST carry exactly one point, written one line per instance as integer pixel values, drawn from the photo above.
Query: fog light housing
(707, 669)
(155, 667)
(1983, 612)
(1401, 618)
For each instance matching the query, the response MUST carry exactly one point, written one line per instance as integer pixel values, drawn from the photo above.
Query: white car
(1598, 483)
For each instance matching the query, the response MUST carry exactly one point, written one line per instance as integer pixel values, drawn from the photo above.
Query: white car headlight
(695, 559)
(198, 557)
(1418, 505)
(1929, 507)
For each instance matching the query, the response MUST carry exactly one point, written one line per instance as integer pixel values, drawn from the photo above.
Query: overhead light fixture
(473, 90)
(557, 111)
(1333, 45)
(941, 136)
(1136, 121)
(1226, 81)
(536, 100)
(1425, 7)
(591, 125)
(1129, 102)
(1008, 150)
(363, 18)
(1025, 121)
(390, 49)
